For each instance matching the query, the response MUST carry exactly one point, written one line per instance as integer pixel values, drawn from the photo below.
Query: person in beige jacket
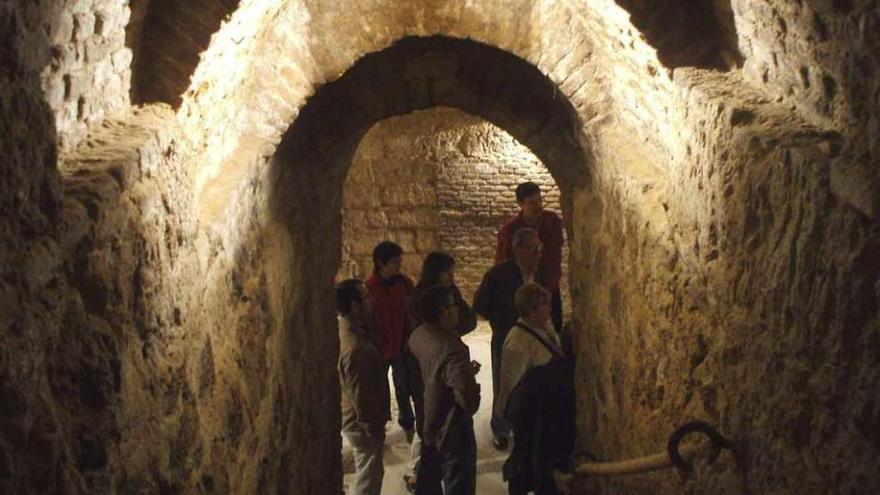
(365, 394)
(531, 342)
(451, 397)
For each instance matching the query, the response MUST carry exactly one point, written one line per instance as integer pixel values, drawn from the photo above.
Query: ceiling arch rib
(419, 73)
(414, 74)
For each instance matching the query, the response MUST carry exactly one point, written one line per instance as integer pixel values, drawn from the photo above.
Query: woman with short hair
(536, 395)
(531, 342)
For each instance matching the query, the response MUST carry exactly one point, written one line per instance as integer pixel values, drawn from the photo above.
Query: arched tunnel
(184, 181)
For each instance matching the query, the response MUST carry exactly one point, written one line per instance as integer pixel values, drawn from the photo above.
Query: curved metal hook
(718, 443)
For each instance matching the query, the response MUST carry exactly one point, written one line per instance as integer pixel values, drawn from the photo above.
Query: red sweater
(390, 299)
(549, 231)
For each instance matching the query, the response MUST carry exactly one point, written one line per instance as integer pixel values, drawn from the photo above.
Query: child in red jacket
(390, 290)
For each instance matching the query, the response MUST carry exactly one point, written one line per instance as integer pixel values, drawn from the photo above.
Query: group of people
(416, 330)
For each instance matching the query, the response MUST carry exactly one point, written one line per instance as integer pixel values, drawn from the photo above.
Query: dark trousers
(405, 417)
(500, 428)
(556, 310)
(456, 472)
(516, 486)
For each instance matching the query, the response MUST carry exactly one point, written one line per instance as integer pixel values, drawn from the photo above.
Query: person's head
(439, 308)
(353, 300)
(438, 269)
(387, 257)
(528, 197)
(527, 247)
(532, 303)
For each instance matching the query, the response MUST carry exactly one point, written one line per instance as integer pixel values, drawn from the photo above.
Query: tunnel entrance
(319, 150)
(438, 179)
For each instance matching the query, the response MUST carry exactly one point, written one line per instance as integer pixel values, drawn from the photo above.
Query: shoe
(500, 443)
(409, 435)
(410, 483)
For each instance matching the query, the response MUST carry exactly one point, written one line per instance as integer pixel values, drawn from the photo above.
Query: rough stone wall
(436, 179)
(717, 283)
(821, 58)
(157, 358)
(53, 383)
(726, 319)
(32, 456)
(391, 192)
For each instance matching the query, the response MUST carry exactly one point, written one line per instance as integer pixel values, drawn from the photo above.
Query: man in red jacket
(391, 290)
(549, 226)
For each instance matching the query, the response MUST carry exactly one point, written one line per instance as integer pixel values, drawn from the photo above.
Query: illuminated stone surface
(436, 179)
(167, 322)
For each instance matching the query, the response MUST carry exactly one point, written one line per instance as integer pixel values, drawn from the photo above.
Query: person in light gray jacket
(451, 397)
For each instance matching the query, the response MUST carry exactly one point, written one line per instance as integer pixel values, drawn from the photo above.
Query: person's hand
(476, 366)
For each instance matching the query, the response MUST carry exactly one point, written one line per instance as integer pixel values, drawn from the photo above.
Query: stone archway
(311, 163)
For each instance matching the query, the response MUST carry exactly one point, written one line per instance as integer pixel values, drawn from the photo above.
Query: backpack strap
(540, 339)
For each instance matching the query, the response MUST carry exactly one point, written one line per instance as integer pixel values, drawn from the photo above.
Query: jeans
(415, 456)
(405, 416)
(500, 428)
(369, 469)
(457, 472)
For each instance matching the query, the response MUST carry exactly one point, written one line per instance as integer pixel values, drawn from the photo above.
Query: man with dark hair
(391, 290)
(451, 398)
(494, 301)
(549, 227)
(438, 268)
(362, 376)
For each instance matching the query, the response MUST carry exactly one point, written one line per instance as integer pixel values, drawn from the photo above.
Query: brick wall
(436, 179)
(78, 49)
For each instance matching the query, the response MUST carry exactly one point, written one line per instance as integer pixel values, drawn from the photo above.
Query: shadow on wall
(688, 33)
(166, 38)
(57, 401)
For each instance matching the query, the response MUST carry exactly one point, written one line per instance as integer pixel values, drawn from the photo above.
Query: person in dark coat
(494, 301)
(542, 411)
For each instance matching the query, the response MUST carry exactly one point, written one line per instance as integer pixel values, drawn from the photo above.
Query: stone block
(83, 26)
